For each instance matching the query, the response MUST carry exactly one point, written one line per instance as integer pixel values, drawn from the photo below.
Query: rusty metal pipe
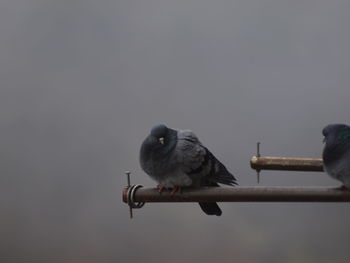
(242, 194)
(286, 163)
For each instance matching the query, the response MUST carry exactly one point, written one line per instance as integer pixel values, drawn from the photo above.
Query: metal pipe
(242, 194)
(286, 163)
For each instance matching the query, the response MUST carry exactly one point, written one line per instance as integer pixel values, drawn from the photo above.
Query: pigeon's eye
(161, 140)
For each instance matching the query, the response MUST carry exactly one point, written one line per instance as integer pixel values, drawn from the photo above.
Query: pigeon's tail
(219, 173)
(211, 208)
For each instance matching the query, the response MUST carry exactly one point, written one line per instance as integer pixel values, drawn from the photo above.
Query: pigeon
(176, 158)
(336, 153)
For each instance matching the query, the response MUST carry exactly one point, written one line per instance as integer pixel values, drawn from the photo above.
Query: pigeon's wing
(198, 162)
(201, 165)
(191, 154)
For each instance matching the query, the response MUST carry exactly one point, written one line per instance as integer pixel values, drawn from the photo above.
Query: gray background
(82, 82)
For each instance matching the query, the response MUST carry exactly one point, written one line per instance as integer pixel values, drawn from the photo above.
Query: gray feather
(336, 153)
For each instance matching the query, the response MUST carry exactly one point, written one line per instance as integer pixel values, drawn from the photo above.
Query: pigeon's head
(154, 149)
(334, 133)
(160, 132)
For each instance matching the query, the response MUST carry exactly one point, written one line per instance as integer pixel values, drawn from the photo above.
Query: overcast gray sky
(82, 82)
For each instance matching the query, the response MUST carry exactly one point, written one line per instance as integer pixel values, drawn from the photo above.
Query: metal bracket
(258, 155)
(130, 193)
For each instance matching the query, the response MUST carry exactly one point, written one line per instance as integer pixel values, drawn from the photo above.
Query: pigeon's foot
(176, 189)
(343, 188)
(161, 188)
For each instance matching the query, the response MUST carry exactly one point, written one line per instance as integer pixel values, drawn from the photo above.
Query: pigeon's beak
(161, 140)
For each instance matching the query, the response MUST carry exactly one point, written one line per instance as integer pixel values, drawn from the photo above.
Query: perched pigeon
(176, 158)
(336, 153)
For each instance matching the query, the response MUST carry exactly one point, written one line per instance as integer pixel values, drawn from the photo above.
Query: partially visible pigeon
(336, 153)
(176, 158)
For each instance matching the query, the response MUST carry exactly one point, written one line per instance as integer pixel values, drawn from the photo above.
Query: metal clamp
(131, 190)
(258, 155)
(131, 195)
